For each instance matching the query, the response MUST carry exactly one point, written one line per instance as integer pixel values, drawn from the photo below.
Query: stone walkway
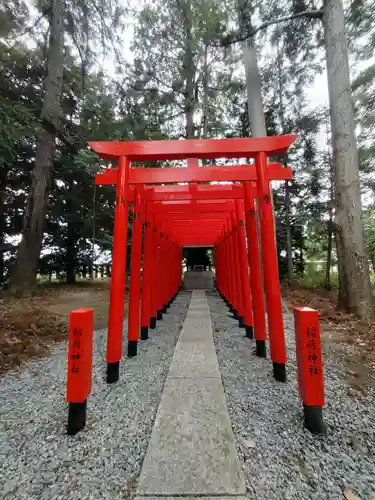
(192, 450)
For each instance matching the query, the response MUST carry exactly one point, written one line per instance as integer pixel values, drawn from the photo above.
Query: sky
(317, 93)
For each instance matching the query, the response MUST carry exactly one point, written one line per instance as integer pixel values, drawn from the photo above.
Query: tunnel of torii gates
(168, 216)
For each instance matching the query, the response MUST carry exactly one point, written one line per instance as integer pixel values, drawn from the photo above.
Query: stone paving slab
(192, 450)
(186, 497)
(194, 334)
(197, 329)
(194, 359)
(199, 306)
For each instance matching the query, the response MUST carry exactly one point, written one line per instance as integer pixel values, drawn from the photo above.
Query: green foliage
(176, 71)
(369, 225)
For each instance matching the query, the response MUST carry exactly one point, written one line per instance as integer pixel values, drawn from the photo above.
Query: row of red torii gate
(168, 216)
(218, 207)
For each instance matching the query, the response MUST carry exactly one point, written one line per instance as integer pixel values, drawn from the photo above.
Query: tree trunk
(205, 92)
(254, 91)
(93, 231)
(26, 266)
(3, 180)
(342, 300)
(257, 121)
(288, 227)
(327, 279)
(330, 228)
(353, 260)
(71, 246)
(253, 83)
(189, 70)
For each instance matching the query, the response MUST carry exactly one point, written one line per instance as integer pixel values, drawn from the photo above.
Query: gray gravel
(38, 460)
(280, 459)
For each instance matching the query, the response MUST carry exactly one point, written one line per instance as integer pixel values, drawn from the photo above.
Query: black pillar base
(249, 332)
(313, 419)
(279, 372)
(144, 332)
(235, 314)
(261, 350)
(159, 315)
(153, 323)
(165, 308)
(76, 417)
(113, 372)
(132, 348)
(241, 322)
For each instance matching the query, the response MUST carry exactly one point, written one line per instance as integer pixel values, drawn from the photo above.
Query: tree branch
(29, 29)
(236, 37)
(8, 247)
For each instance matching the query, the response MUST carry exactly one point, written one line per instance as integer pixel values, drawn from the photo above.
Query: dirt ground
(95, 296)
(29, 326)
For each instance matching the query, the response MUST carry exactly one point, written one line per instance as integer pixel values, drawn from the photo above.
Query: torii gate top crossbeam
(138, 175)
(196, 208)
(193, 148)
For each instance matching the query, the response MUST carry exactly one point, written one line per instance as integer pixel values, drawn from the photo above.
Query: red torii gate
(262, 172)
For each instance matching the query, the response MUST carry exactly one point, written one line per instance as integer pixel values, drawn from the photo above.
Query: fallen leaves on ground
(337, 326)
(26, 330)
(349, 495)
(30, 325)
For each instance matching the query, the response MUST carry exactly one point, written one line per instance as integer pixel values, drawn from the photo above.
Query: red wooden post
(168, 267)
(172, 274)
(245, 278)
(222, 257)
(178, 272)
(164, 270)
(135, 273)
(271, 271)
(79, 376)
(117, 295)
(222, 252)
(231, 288)
(256, 281)
(310, 367)
(154, 273)
(159, 274)
(237, 269)
(175, 281)
(146, 277)
(230, 263)
(227, 290)
(218, 270)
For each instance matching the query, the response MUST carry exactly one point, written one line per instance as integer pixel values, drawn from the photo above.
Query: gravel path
(38, 460)
(279, 458)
